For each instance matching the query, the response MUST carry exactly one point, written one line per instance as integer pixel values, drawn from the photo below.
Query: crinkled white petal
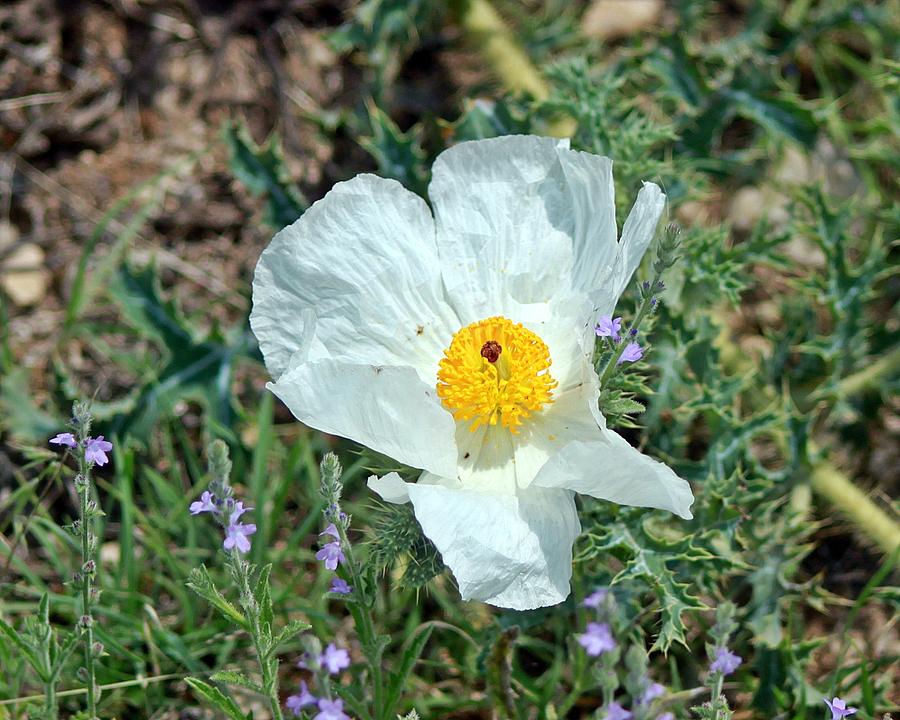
(388, 409)
(512, 551)
(391, 488)
(607, 467)
(525, 218)
(355, 278)
(637, 234)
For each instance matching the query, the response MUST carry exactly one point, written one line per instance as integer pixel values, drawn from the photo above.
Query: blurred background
(150, 149)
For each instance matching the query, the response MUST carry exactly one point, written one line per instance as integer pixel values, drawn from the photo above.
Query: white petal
(607, 467)
(390, 487)
(360, 269)
(640, 227)
(525, 218)
(506, 550)
(496, 233)
(388, 409)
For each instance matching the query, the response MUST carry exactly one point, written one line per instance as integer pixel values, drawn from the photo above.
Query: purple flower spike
(331, 554)
(726, 662)
(334, 659)
(296, 703)
(595, 599)
(617, 712)
(237, 532)
(632, 353)
(331, 710)
(206, 503)
(607, 327)
(67, 439)
(340, 586)
(331, 530)
(96, 449)
(839, 708)
(597, 640)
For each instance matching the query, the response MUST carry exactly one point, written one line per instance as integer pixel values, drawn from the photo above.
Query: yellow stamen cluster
(495, 371)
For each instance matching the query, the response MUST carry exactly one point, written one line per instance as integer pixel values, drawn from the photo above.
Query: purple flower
(295, 703)
(334, 659)
(332, 554)
(331, 710)
(666, 716)
(236, 533)
(617, 712)
(726, 662)
(607, 327)
(331, 530)
(597, 640)
(596, 598)
(340, 586)
(839, 708)
(653, 691)
(67, 439)
(96, 449)
(632, 352)
(206, 503)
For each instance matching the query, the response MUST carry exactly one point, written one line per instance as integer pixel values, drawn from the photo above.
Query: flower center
(495, 371)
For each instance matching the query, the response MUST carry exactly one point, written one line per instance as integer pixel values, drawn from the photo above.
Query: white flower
(461, 343)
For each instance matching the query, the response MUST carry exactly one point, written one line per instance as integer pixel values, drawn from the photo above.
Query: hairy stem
(87, 577)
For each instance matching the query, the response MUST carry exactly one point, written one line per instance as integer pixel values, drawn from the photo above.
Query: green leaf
(201, 583)
(292, 629)
(25, 648)
(262, 169)
(229, 677)
(399, 155)
(217, 699)
(263, 596)
(407, 662)
(19, 414)
(195, 369)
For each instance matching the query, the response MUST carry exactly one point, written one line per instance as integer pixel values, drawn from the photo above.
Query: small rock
(611, 19)
(22, 274)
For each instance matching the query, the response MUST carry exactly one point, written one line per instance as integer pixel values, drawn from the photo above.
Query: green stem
(86, 582)
(869, 376)
(830, 483)
(620, 348)
(362, 616)
(267, 672)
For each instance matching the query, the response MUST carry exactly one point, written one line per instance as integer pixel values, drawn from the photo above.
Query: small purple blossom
(726, 662)
(236, 533)
(633, 352)
(206, 503)
(331, 554)
(95, 450)
(666, 716)
(340, 586)
(595, 599)
(295, 703)
(331, 530)
(653, 691)
(617, 712)
(632, 332)
(839, 708)
(608, 327)
(331, 710)
(597, 640)
(67, 439)
(334, 659)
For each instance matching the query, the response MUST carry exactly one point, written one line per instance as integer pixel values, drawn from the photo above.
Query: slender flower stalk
(665, 258)
(88, 452)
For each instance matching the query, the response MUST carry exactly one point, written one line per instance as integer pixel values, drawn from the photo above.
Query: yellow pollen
(495, 371)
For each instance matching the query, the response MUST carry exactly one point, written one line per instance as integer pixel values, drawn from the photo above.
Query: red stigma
(491, 350)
